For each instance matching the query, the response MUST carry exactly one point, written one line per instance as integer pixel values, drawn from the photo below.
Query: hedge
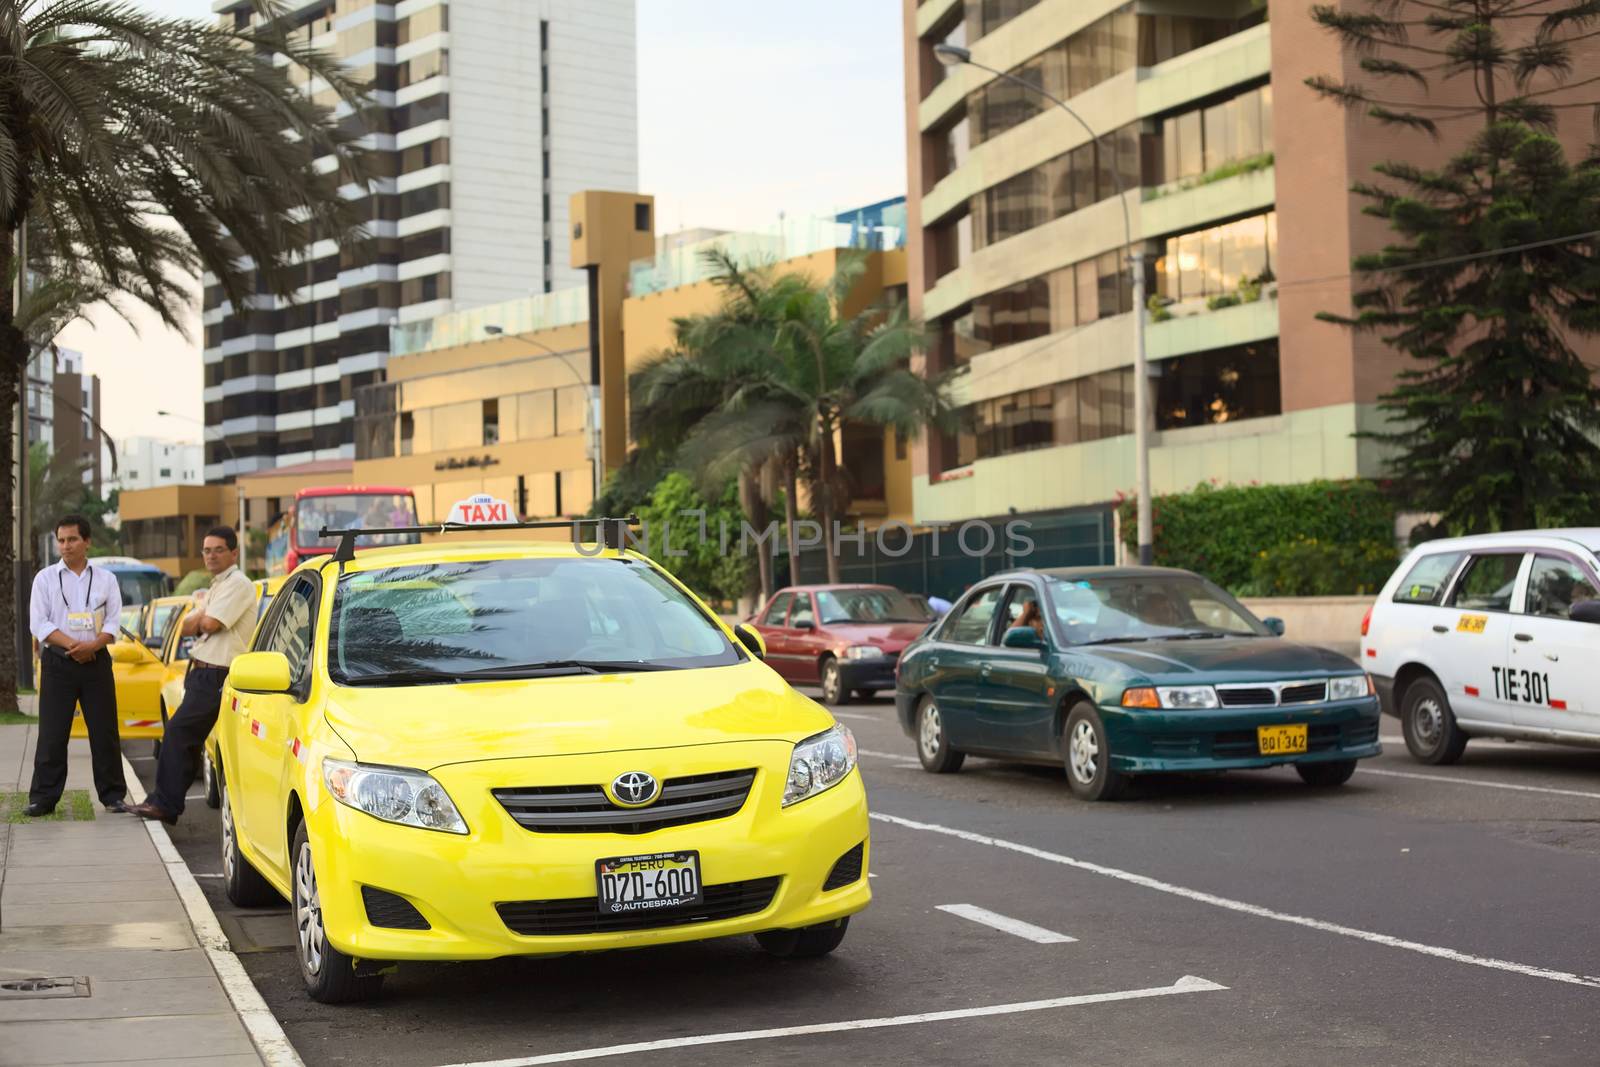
(1221, 531)
(1310, 567)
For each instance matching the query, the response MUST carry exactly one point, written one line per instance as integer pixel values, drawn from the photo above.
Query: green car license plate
(648, 883)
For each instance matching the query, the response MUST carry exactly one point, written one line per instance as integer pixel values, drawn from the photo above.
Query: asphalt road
(1416, 915)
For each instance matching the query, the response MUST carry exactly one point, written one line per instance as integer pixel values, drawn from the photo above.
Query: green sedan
(1127, 671)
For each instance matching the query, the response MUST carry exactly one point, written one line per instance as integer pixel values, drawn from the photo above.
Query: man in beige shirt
(222, 620)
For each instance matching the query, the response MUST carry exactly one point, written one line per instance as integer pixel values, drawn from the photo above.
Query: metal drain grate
(39, 988)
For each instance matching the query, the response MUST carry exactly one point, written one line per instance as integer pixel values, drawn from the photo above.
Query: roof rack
(611, 532)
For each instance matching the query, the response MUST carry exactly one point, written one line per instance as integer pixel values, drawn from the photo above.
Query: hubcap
(207, 775)
(308, 912)
(932, 732)
(1083, 752)
(1427, 721)
(227, 836)
(830, 681)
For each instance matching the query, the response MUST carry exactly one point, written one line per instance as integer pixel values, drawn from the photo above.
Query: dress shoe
(34, 811)
(148, 810)
(119, 807)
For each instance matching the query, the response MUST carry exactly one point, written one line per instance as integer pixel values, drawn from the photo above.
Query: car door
(1014, 711)
(1477, 629)
(136, 672)
(268, 722)
(771, 623)
(962, 649)
(807, 642)
(1550, 664)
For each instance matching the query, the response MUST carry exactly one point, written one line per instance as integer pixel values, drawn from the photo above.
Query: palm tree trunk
(825, 471)
(791, 493)
(11, 377)
(755, 509)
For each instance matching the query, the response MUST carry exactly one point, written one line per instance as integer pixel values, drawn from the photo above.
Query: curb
(266, 1033)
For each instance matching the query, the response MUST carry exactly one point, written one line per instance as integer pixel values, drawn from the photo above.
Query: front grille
(391, 912)
(1304, 693)
(585, 809)
(582, 915)
(1269, 696)
(1247, 697)
(847, 871)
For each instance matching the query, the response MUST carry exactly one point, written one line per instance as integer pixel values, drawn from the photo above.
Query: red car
(845, 638)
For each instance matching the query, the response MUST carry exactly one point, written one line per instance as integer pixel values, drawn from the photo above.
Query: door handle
(1440, 629)
(1523, 637)
(933, 661)
(986, 670)
(1552, 657)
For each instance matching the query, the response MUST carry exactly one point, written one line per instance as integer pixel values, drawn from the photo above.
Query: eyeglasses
(215, 551)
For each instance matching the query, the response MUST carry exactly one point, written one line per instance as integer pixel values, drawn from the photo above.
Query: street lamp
(223, 438)
(952, 56)
(593, 383)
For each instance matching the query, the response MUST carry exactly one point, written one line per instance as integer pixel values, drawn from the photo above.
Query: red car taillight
(1366, 621)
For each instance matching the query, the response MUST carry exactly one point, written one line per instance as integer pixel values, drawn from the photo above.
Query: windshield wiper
(417, 676)
(562, 666)
(1112, 641)
(1198, 635)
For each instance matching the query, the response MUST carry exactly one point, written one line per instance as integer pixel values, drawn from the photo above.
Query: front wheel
(933, 747)
(1088, 756)
(329, 974)
(208, 777)
(807, 942)
(833, 690)
(1326, 775)
(1429, 725)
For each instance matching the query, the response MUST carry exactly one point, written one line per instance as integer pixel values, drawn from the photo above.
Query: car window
(778, 611)
(1424, 583)
(1487, 582)
(867, 605)
(1145, 608)
(1022, 609)
(971, 625)
(292, 627)
(1554, 585)
(802, 612)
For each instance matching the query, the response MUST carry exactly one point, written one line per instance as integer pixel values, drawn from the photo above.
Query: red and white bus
(338, 507)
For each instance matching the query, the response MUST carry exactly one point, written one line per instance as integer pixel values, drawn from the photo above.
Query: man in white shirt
(223, 621)
(74, 613)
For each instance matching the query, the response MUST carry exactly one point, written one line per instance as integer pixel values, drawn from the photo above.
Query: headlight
(393, 794)
(819, 763)
(1349, 687)
(862, 652)
(1186, 697)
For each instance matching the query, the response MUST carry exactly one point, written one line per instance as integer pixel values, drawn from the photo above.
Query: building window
(491, 422)
(408, 432)
(1212, 262)
(1072, 412)
(1070, 182)
(641, 217)
(952, 245)
(166, 472)
(1223, 385)
(1196, 142)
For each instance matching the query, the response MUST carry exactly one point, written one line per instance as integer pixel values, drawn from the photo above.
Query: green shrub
(1158, 308)
(698, 562)
(1220, 301)
(1221, 531)
(1311, 567)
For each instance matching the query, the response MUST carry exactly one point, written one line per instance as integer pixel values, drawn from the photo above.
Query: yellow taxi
(468, 751)
(138, 670)
(172, 688)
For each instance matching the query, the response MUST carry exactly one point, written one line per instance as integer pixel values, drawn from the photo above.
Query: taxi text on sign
(482, 508)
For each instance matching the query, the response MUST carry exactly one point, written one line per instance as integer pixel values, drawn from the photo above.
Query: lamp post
(952, 56)
(597, 468)
(223, 438)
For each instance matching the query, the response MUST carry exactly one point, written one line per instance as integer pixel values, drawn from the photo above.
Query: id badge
(81, 623)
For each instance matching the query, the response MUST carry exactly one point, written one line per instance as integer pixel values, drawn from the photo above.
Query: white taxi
(1490, 636)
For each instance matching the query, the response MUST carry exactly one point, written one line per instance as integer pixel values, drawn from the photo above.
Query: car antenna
(611, 531)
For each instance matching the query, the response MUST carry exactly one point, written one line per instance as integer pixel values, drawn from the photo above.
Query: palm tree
(135, 150)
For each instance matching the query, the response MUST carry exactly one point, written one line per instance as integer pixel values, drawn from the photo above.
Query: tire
(209, 778)
(242, 882)
(833, 690)
(808, 942)
(1087, 753)
(155, 749)
(1326, 775)
(933, 747)
(1429, 725)
(330, 976)
(866, 694)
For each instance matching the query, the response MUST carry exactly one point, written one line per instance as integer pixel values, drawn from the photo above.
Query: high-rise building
(490, 114)
(64, 412)
(148, 462)
(1235, 178)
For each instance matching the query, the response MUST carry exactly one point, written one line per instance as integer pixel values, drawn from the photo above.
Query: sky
(745, 110)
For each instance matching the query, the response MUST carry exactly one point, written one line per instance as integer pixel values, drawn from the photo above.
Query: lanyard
(88, 596)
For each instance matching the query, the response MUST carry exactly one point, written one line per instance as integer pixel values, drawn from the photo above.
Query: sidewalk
(97, 902)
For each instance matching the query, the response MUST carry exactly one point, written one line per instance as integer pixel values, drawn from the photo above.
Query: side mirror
(1021, 637)
(1584, 611)
(127, 652)
(261, 672)
(1275, 624)
(751, 639)
(803, 625)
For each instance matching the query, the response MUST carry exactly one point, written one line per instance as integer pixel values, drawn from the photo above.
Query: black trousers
(186, 733)
(65, 684)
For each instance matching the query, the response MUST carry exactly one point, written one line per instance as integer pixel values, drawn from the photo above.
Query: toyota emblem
(634, 789)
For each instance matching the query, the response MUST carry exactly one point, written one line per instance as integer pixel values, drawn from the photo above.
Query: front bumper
(874, 673)
(1385, 687)
(1148, 741)
(456, 881)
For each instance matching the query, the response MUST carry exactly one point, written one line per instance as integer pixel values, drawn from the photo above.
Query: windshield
(141, 586)
(345, 510)
(159, 614)
(869, 605)
(516, 617)
(1106, 610)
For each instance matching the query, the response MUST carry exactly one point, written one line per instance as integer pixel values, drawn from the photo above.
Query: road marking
(880, 755)
(1452, 779)
(1248, 909)
(1037, 934)
(908, 766)
(1186, 984)
(1499, 742)
(208, 876)
(855, 715)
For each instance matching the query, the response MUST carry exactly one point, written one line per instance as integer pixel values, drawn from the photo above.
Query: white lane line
(1453, 780)
(855, 715)
(1037, 934)
(880, 755)
(908, 766)
(1186, 984)
(208, 876)
(1249, 909)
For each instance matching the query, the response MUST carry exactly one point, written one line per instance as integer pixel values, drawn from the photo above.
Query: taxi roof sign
(480, 509)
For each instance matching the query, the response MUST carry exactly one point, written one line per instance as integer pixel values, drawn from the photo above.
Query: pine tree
(1492, 276)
